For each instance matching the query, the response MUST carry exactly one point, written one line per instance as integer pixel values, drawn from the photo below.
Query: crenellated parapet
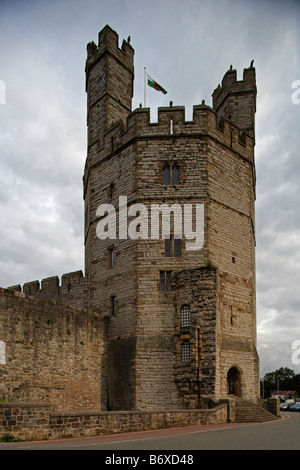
(108, 43)
(171, 124)
(71, 291)
(236, 99)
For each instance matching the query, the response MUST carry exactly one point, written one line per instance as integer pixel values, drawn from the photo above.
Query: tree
(284, 375)
(281, 379)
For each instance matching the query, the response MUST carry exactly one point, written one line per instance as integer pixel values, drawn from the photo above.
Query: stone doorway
(234, 382)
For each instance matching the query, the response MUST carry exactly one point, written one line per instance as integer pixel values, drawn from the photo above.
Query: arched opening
(175, 174)
(166, 174)
(234, 382)
(185, 316)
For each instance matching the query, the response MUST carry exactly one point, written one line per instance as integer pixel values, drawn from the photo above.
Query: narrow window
(242, 138)
(162, 280)
(232, 316)
(165, 281)
(111, 190)
(172, 247)
(177, 247)
(175, 174)
(186, 351)
(166, 175)
(185, 316)
(168, 281)
(113, 305)
(111, 257)
(168, 247)
(171, 174)
(171, 126)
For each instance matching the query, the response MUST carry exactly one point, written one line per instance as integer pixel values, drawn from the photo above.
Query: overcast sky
(187, 47)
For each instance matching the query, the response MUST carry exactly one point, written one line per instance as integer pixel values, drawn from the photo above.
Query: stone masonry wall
(72, 290)
(196, 380)
(52, 353)
(209, 158)
(155, 308)
(231, 245)
(37, 422)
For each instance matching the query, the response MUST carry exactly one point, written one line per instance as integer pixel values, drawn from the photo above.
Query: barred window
(185, 351)
(185, 316)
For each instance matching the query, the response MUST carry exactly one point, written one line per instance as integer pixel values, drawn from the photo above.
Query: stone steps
(248, 412)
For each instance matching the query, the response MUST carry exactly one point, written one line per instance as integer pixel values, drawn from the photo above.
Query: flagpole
(145, 78)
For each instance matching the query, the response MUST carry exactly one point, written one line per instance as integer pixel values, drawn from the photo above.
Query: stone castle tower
(156, 322)
(182, 323)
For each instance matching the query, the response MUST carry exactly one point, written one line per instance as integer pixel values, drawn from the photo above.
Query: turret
(109, 82)
(236, 100)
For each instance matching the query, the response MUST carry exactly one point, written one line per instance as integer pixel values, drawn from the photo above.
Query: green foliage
(7, 438)
(209, 265)
(280, 379)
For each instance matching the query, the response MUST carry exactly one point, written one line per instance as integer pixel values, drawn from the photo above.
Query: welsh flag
(155, 85)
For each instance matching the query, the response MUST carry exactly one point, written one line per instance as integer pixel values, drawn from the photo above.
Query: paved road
(279, 435)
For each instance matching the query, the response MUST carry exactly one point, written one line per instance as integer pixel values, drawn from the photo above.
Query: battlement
(230, 84)
(71, 291)
(236, 99)
(171, 123)
(108, 43)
